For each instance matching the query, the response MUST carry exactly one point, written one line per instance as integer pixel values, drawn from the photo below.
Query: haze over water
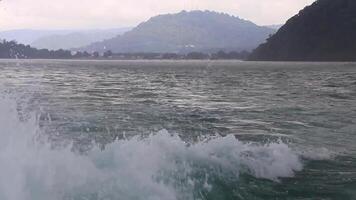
(177, 130)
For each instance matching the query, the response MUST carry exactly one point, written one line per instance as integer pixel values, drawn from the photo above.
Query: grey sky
(59, 14)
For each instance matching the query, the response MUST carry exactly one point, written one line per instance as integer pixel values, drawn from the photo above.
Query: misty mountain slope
(27, 36)
(76, 39)
(186, 32)
(324, 31)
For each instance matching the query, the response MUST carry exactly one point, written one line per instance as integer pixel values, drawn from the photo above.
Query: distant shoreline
(173, 60)
(69, 59)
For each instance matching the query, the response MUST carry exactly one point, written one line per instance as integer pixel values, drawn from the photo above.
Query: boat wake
(161, 166)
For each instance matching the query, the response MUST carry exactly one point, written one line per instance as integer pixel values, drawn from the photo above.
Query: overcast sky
(79, 14)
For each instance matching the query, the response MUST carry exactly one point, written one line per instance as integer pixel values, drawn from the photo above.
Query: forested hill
(11, 49)
(324, 31)
(202, 31)
(14, 50)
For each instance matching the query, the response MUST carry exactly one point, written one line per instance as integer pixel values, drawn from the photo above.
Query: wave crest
(161, 166)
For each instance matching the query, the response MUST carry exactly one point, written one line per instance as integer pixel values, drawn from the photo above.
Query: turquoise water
(177, 130)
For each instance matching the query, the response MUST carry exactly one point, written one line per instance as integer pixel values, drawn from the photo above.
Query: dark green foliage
(107, 54)
(170, 56)
(221, 55)
(11, 49)
(96, 54)
(324, 31)
(197, 56)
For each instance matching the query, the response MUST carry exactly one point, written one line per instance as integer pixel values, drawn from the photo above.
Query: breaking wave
(161, 166)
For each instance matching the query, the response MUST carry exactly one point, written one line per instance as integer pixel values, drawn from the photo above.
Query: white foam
(317, 153)
(161, 166)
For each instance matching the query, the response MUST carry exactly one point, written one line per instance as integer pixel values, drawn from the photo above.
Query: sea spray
(160, 166)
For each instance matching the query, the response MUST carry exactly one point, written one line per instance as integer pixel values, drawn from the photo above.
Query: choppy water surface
(78, 130)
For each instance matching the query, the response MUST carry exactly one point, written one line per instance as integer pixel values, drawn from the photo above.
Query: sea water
(76, 130)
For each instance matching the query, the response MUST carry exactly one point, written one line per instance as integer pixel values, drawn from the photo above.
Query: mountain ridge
(186, 32)
(76, 39)
(323, 31)
(34, 37)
